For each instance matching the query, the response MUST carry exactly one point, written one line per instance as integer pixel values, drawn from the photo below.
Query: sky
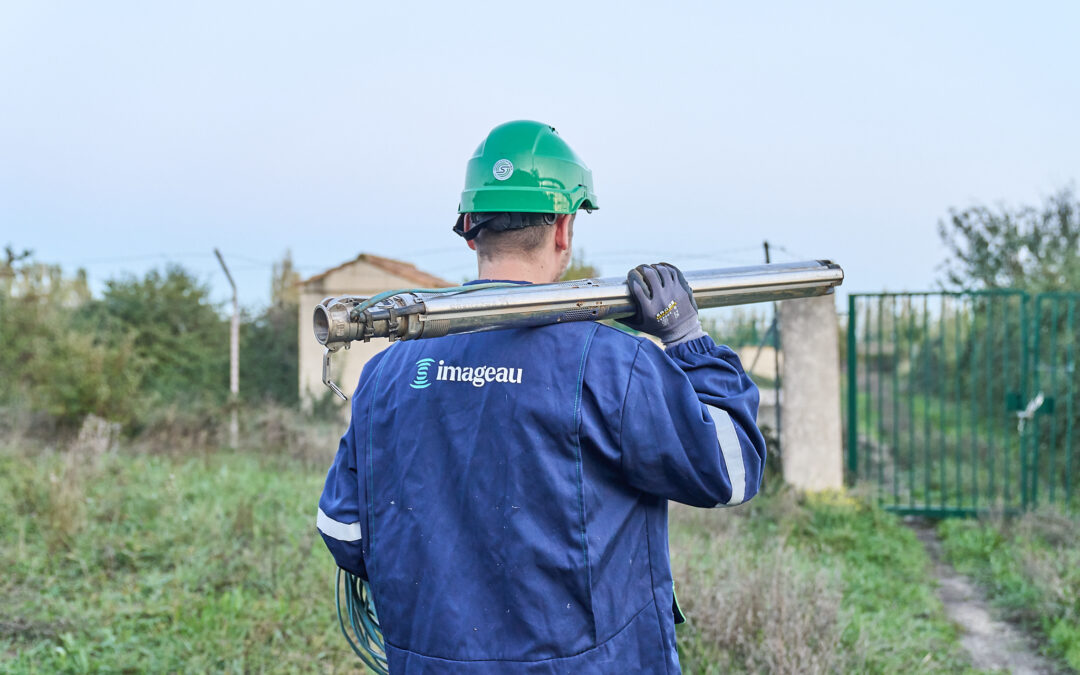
(133, 134)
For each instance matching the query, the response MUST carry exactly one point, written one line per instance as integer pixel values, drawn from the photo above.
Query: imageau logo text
(477, 375)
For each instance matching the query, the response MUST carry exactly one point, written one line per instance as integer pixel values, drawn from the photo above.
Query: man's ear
(564, 232)
(468, 224)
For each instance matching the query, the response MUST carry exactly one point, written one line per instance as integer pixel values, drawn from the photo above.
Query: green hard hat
(526, 167)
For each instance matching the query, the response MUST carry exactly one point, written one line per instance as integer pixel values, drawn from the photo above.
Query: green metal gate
(962, 403)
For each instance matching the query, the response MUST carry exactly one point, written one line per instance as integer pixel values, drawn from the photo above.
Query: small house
(364, 275)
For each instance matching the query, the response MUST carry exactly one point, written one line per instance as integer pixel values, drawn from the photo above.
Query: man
(518, 523)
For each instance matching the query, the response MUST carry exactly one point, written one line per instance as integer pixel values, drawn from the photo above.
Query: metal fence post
(1026, 390)
(852, 393)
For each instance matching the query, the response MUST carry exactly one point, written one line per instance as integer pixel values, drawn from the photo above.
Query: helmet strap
(500, 222)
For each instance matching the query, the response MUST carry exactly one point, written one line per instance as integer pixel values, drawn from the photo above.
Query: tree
(579, 269)
(177, 333)
(285, 282)
(52, 361)
(268, 349)
(1035, 249)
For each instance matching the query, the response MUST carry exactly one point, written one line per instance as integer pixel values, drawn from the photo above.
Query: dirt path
(992, 643)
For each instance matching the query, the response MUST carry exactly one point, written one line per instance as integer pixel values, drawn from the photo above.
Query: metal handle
(326, 375)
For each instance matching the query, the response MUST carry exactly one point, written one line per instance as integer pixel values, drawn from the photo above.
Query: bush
(268, 357)
(151, 354)
(177, 333)
(286, 432)
(50, 365)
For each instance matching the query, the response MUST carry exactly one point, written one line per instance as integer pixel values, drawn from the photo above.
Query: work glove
(665, 304)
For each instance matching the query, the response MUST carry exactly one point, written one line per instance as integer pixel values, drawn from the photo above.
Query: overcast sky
(139, 132)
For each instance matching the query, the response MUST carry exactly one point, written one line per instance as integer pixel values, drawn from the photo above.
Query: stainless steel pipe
(411, 315)
(414, 315)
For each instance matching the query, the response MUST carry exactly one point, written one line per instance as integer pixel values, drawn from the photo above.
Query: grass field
(208, 561)
(152, 563)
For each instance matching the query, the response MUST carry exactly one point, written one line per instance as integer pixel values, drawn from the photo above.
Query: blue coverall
(506, 493)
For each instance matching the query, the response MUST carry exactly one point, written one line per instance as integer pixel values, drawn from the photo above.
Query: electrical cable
(363, 620)
(379, 297)
(793, 255)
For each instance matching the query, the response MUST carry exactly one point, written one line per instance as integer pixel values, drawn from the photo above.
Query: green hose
(379, 297)
(363, 620)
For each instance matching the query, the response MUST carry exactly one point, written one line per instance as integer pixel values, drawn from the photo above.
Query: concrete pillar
(811, 437)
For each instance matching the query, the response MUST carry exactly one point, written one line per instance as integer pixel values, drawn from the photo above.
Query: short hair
(523, 241)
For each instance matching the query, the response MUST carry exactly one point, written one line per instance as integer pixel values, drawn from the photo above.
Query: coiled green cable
(363, 620)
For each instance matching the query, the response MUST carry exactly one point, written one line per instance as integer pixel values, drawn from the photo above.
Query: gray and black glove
(665, 304)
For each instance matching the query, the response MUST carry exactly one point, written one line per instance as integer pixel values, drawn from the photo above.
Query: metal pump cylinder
(411, 315)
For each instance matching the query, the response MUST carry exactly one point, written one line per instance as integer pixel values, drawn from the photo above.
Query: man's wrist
(693, 333)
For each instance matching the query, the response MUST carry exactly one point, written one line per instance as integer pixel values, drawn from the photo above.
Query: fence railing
(960, 403)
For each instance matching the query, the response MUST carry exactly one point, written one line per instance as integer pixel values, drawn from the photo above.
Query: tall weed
(766, 610)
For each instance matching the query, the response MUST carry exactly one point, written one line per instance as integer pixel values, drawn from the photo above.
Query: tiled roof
(405, 270)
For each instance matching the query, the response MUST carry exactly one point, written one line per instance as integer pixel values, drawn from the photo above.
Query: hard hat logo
(503, 169)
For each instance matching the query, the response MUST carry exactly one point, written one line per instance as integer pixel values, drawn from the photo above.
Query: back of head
(521, 178)
(511, 233)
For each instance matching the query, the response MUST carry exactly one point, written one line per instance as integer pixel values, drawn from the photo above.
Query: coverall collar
(497, 281)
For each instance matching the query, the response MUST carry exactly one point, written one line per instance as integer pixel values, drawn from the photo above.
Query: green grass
(854, 566)
(1030, 568)
(210, 562)
(942, 464)
(928, 414)
(153, 564)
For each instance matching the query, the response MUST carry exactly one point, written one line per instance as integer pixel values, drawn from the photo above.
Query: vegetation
(790, 584)
(1032, 248)
(740, 327)
(149, 344)
(269, 342)
(208, 561)
(174, 554)
(175, 333)
(941, 378)
(579, 268)
(1030, 567)
(137, 562)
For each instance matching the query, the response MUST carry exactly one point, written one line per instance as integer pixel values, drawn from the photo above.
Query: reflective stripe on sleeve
(337, 530)
(731, 449)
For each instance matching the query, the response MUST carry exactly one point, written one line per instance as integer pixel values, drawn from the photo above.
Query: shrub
(766, 610)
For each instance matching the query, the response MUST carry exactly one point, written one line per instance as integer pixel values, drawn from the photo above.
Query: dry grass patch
(788, 584)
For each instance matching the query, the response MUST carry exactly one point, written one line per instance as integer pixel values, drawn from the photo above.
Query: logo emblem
(503, 169)
(421, 380)
(669, 313)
